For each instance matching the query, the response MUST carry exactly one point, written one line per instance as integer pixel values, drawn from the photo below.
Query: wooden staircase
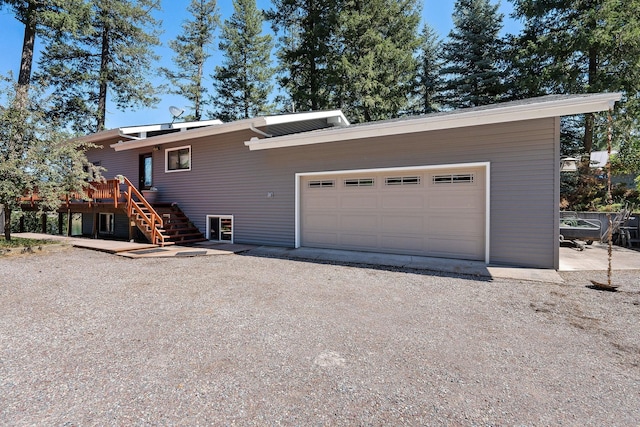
(177, 228)
(162, 223)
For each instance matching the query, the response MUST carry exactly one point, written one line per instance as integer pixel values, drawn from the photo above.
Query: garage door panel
(452, 247)
(402, 224)
(321, 201)
(356, 201)
(408, 201)
(321, 239)
(359, 222)
(457, 200)
(410, 244)
(360, 241)
(405, 213)
(321, 221)
(455, 225)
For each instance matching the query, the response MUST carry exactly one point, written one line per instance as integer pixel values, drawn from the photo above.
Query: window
(322, 184)
(402, 180)
(359, 182)
(106, 223)
(178, 159)
(466, 178)
(220, 228)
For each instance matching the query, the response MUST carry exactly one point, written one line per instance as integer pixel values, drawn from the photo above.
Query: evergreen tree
(429, 84)
(473, 55)
(582, 47)
(40, 18)
(377, 63)
(30, 152)
(111, 60)
(191, 48)
(35, 154)
(243, 81)
(306, 51)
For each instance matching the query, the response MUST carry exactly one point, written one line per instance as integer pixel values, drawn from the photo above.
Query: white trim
(332, 117)
(485, 165)
(167, 126)
(208, 226)
(543, 107)
(166, 159)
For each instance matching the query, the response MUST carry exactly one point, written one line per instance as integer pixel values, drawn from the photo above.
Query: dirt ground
(88, 338)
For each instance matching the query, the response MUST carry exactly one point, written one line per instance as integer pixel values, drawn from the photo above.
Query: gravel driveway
(88, 338)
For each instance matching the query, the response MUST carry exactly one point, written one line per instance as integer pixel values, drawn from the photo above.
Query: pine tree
(191, 48)
(473, 55)
(41, 18)
(583, 47)
(35, 154)
(429, 84)
(111, 60)
(378, 41)
(243, 81)
(31, 154)
(306, 51)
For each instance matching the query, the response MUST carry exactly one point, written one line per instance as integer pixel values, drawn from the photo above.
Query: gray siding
(228, 179)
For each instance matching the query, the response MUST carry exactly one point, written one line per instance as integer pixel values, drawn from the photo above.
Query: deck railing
(109, 192)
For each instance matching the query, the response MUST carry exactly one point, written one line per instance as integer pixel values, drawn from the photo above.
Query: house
(480, 183)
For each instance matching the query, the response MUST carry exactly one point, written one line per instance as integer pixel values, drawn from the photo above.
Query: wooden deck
(161, 224)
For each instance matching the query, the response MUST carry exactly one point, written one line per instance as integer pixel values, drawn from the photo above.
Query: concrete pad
(471, 268)
(142, 250)
(595, 258)
(110, 246)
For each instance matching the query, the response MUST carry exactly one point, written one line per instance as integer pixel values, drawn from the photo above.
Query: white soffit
(535, 108)
(335, 117)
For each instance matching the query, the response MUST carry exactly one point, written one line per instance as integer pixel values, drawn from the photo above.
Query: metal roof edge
(533, 108)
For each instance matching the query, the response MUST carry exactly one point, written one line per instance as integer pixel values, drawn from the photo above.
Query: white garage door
(422, 212)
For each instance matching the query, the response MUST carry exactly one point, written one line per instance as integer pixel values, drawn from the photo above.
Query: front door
(146, 171)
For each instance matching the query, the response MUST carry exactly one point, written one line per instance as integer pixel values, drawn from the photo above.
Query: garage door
(430, 212)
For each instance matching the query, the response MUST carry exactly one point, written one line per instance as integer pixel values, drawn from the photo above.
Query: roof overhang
(534, 108)
(333, 118)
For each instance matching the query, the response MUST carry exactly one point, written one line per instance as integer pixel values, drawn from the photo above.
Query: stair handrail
(153, 220)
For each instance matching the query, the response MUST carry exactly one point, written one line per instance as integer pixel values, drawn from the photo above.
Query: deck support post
(69, 222)
(60, 223)
(94, 230)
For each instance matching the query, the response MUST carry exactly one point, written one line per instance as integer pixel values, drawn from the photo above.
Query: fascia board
(192, 134)
(299, 117)
(99, 136)
(166, 126)
(536, 110)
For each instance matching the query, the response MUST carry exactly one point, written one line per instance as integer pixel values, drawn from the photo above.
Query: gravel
(88, 338)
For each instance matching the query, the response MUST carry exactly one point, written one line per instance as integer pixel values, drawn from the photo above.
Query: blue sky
(436, 13)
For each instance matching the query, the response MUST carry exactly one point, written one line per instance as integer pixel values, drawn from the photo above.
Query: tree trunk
(590, 117)
(7, 222)
(104, 78)
(26, 60)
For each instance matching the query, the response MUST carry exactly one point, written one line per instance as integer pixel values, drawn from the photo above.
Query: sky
(437, 13)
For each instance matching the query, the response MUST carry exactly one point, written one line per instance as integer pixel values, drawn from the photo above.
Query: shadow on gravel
(398, 269)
